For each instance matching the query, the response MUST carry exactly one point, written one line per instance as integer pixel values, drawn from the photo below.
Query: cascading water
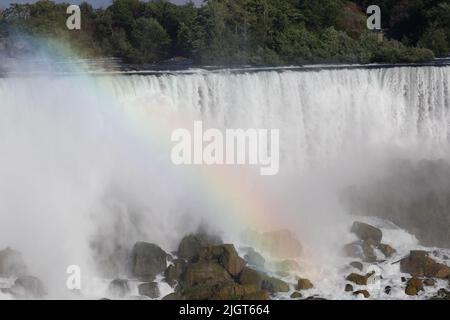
(85, 164)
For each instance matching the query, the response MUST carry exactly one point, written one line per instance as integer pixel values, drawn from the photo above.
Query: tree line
(238, 31)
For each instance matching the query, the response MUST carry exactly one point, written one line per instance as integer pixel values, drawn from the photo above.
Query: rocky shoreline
(205, 268)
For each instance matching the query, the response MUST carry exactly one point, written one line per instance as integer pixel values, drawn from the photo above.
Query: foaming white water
(86, 160)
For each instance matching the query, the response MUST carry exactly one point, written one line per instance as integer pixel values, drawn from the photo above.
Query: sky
(95, 3)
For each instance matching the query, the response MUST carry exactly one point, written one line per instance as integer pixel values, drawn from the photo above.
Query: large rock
(442, 294)
(254, 258)
(304, 284)
(190, 244)
(258, 295)
(174, 272)
(150, 290)
(360, 249)
(365, 293)
(219, 291)
(274, 285)
(367, 233)
(357, 265)
(429, 282)
(358, 279)
(11, 263)
(225, 255)
(387, 250)
(119, 288)
(251, 277)
(28, 287)
(205, 273)
(234, 291)
(148, 260)
(419, 264)
(414, 286)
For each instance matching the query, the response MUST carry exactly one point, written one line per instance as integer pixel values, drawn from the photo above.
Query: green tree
(152, 40)
(435, 40)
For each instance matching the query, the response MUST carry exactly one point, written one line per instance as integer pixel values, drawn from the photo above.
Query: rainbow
(220, 188)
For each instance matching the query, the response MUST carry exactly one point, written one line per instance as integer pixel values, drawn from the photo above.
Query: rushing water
(85, 160)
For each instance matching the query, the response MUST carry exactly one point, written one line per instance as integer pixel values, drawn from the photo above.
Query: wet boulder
(258, 295)
(419, 264)
(296, 295)
(367, 233)
(148, 260)
(190, 244)
(254, 258)
(274, 285)
(442, 294)
(118, 288)
(360, 249)
(234, 291)
(387, 250)
(365, 293)
(205, 273)
(358, 279)
(353, 250)
(226, 255)
(150, 290)
(348, 288)
(219, 291)
(357, 265)
(304, 284)
(414, 286)
(28, 287)
(429, 282)
(173, 273)
(11, 263)
(249, 276)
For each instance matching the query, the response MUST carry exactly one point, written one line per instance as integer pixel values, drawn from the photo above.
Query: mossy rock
(250, 276)
(205, 273)
(119, 288)
(367, 233)
(254, 258)
(274, 285)
(304, 284)
(150, 290)
(226, 255)
(148, 260)
(358, 279)
(219, 291)
(258, 295)
(191, 244)
(414, 286)
(419, 264)
(173, 273)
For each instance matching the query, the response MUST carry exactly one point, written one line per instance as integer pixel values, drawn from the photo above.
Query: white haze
(76, 169)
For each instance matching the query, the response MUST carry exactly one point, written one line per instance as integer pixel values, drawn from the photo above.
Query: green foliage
(435, 40)
(241, 31)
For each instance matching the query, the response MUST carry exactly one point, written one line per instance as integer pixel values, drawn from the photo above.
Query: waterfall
(321, 114)
(85, 159)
